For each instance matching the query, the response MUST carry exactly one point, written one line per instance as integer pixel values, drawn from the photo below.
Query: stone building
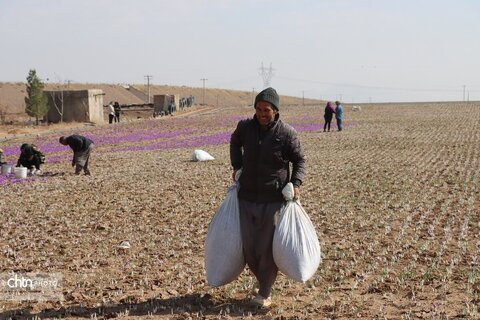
(77, 105)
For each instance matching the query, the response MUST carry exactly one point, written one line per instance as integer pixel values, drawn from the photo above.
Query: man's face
(265, 112)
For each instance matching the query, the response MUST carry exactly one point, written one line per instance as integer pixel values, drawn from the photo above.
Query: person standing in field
(117, 109)
(329, 111)
(339, 115)
(111, 112)
(263, 147)
(1, 157)
(82, 147)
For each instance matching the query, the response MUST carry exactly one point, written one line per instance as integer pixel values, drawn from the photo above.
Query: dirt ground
(14, 131)
(393, 197)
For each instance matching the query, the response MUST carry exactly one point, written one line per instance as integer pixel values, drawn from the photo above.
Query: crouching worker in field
(30, 158)
(82, 148)
(269, 146)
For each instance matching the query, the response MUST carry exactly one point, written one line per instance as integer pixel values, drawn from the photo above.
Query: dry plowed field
(393, 197)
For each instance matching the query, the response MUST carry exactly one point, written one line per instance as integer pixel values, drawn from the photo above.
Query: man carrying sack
(269, 146)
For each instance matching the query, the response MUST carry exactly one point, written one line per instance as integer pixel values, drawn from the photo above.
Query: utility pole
(203, 79)
(253, 97)
(148, 77)
(463, 92)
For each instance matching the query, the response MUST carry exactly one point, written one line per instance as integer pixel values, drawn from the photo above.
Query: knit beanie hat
(268, 95)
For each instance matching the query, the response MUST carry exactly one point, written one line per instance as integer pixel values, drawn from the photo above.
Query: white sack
(200, 155)
(224, 259)
(356, 108)
(296, 249)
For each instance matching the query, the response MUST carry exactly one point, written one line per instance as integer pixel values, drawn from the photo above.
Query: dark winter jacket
(78, 143)
(329, 110)
(117, 108)
(29, 157)
(265, 159)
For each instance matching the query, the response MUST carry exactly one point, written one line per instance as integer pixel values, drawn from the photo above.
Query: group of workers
(114, 110)
(330, 110)
(32, 158)
(264, 147)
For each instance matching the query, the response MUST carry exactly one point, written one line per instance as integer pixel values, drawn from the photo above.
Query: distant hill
(12, 95)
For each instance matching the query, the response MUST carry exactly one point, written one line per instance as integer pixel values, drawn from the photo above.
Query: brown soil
(394, 200)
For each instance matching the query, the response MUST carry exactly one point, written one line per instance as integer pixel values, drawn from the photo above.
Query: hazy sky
(354, 50)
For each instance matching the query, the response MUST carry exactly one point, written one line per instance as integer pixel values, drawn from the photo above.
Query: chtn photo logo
(31, 286)
(19, 282)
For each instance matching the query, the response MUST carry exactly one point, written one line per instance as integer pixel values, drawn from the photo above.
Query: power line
(371, 86)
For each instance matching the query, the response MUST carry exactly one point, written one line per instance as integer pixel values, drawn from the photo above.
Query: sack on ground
(200, 155)
(296, 249)
(224, 260)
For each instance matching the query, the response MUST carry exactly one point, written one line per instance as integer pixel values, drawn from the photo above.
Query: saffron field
(394, 199)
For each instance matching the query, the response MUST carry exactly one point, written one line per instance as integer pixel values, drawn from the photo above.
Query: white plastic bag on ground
(224, 260)
(200, 155)
(296, 249)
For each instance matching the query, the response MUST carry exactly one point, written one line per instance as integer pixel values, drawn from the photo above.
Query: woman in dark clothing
(329, 111)
(117, 109)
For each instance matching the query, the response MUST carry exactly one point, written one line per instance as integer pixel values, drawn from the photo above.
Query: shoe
(261, 302)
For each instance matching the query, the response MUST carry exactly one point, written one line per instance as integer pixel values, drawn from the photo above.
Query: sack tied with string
(296, 249)
(224, 260)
